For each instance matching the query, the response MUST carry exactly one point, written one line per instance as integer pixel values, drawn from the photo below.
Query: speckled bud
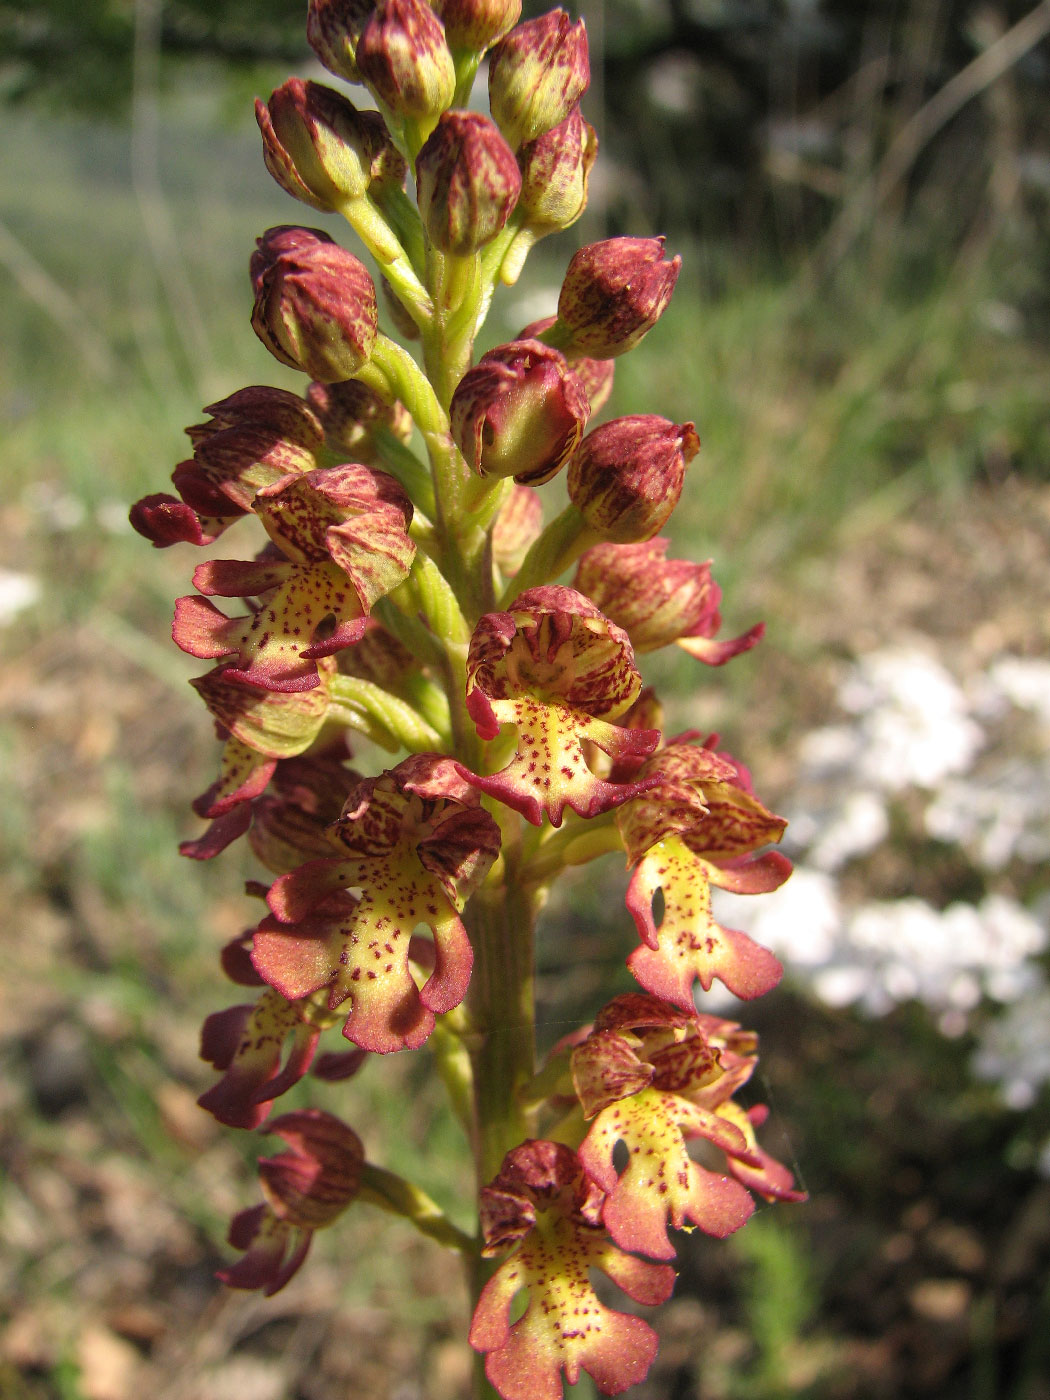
(658, 601)
(321, 149)
(613, 294)
(467, 182)
(596, 376)
(554, 174)
(537, 74)
(315, 304)
(333, 28)
(517, 525)
(351, 413)
(403, 57)
(472, 26)
(627, 475)
(519, 412)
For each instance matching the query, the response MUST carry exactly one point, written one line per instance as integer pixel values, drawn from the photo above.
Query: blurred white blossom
(975, 757)
(1015, 1049)
(17, 592)
(912, 726)
(1004, 816)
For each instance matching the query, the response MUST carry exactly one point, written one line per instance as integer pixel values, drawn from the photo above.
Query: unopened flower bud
(519, 412)
(537, 74)
(321, 149)
(613, 294)
(472, 26)
(351, 414)
(658, 601)
(554, 173)
(315, 304)
(315, 1180)
(403, 57)
(517, 525)
(626, 477)
(333, 28)
(467, 182)
(596, 376)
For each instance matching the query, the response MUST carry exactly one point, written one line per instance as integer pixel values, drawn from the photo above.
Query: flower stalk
(405, 589)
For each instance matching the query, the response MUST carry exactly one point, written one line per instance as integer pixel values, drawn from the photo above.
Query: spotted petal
(758, 1170)
(690, 945)
(342, 542)
(247, 1043)
(359, 949)
(550, 771)
(415, 845)
(559, 672)
(565, 1328)
(661, 1182)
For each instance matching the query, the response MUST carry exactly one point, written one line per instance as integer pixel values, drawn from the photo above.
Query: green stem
(410, 632)
(403, 217)
(382, 717)
(385, 246)
(560, 545)
(401, 462)
(466, 63)
(576, 843)
(501, 1043)
(501, 1012)
(393, 1193)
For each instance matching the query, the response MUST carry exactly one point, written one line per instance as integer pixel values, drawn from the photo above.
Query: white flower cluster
(976, 761)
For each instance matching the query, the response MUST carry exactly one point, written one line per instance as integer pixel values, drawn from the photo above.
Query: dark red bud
(321, 149)
(351, 414)
(519, 412)
(315, 1180)
(537, 74)
(554, 174)
(333, 28)
(315, 304)
(654, 599)
(467, 182)
(472, 26)
(626, 478)
(596, 376)
(613, 294)
(403, 57)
